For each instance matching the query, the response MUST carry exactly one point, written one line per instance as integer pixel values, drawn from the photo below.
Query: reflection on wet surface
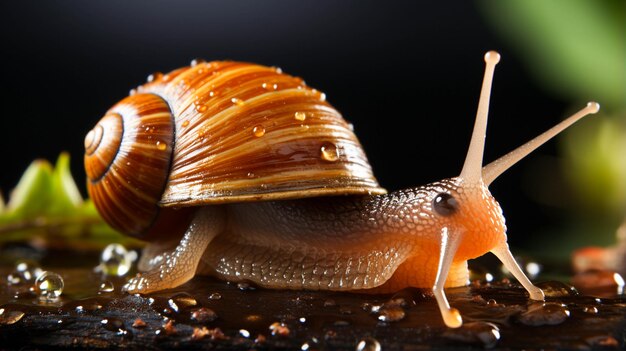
(208, 313)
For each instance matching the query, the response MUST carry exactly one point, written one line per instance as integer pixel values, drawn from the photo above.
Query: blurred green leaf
(46, 205)
(596, 160)
(575, 47)
(64, 190)
(32, 193)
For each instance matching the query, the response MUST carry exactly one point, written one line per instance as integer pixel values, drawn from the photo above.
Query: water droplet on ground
(25, 272)
(49, 286)
(549, 313)
(115, 325)
(311, 344)
(244, 286)
(557, 289)
(590, 309)
(475, 333)
(330, 303)
(10, 317)
(391, 314)
(106, 287)
(215, 296)
(368, 344)
(115, 260)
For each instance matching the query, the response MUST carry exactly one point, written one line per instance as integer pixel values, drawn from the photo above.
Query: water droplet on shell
(185, 123)
(300, 116)
(201, 108)
(161, 145)
(329, 152)
(258, 131)
(196, 62)
(154, 76)
(237, 101)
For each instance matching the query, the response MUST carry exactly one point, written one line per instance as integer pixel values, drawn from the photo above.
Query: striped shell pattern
(219, 132)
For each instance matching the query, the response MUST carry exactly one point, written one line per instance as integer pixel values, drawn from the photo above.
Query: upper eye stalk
(445, 204)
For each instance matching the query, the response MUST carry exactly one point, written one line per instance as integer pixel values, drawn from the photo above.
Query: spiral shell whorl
(127, 159)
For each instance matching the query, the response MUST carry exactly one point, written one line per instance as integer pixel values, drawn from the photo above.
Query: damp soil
(210, 314)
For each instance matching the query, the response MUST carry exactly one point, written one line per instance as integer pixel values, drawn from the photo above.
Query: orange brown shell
(220, 132)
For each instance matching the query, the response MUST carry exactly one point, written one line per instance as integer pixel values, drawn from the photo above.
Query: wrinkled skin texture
(387, 242)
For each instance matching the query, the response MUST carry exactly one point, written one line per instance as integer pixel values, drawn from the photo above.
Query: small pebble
(169, 328)
(139, 323)
(203, 315)
(279, 329)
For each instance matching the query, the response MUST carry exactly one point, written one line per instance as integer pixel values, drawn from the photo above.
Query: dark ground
(209, 314)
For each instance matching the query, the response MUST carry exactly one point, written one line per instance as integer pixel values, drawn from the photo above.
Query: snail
(243, 172)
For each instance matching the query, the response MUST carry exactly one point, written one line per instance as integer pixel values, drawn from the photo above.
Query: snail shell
(219, 132)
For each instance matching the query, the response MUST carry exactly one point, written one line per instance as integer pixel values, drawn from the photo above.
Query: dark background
(407, 74)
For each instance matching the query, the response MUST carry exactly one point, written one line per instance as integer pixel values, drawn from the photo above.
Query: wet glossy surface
(211, 314)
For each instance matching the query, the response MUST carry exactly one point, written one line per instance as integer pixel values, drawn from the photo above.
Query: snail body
(245, 173)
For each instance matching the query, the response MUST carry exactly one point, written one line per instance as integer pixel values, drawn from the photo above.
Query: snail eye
(445, 204)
